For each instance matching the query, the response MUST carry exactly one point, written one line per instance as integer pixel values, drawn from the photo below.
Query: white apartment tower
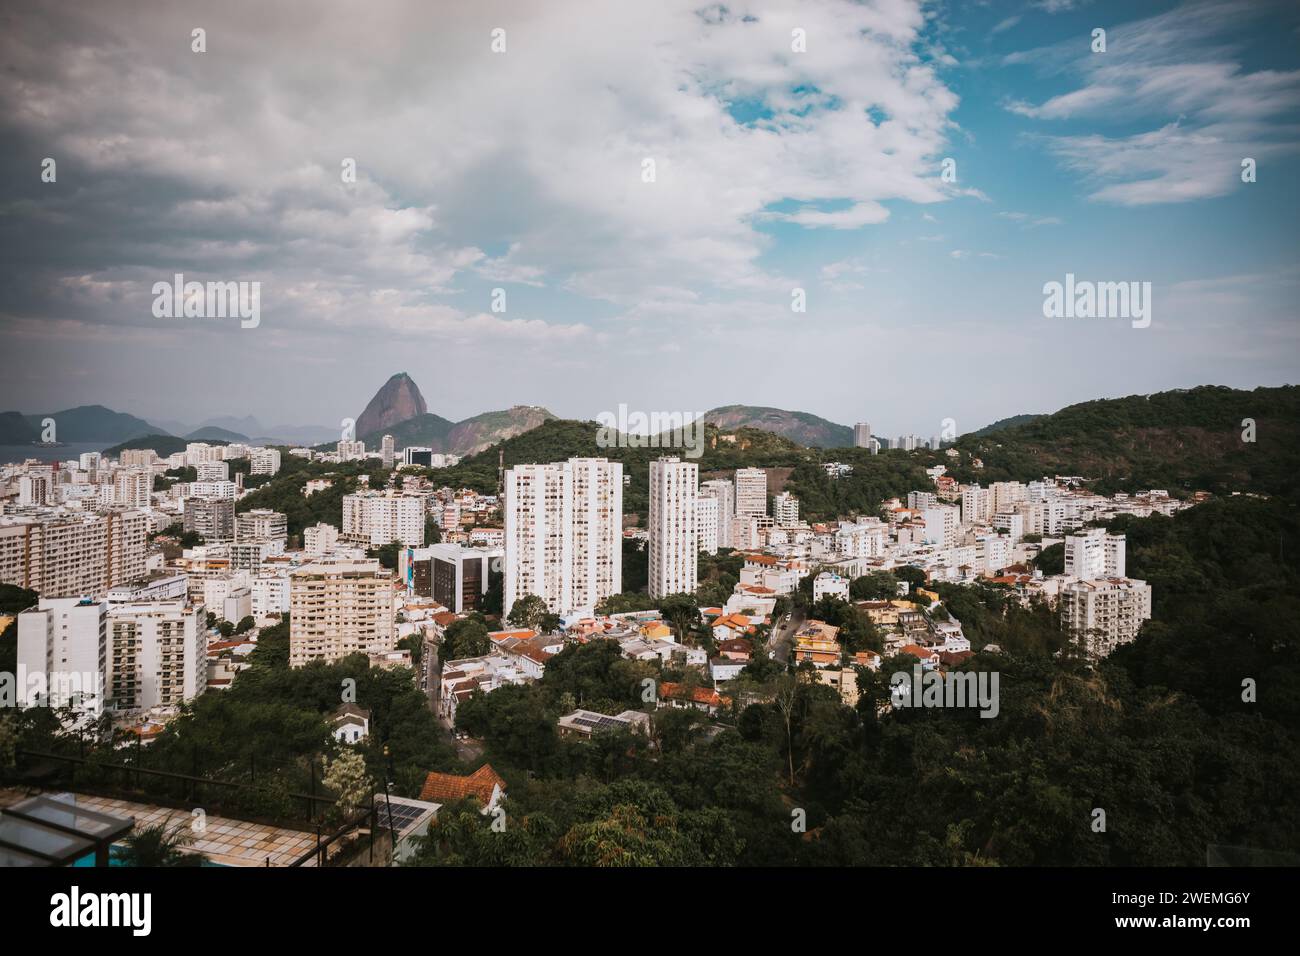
(941, 525)
(320, 539)
(1101, 615)
(564, 533)
(785, 510)
(63, 654)
(673, 547)
(707, 526)
(377, 518)
(725, 493)
(261, 524)
(264, 461)
(862, 435)
(751, 491)
(387, 451)
(976, 505)
(1095, 554)
(33, 489)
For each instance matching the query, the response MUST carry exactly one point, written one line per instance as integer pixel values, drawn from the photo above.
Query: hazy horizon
(882, 429)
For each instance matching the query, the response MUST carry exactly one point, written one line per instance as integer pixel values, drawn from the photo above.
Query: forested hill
(1184, 440)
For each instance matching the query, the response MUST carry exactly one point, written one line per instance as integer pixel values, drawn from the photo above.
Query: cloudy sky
(775, 169)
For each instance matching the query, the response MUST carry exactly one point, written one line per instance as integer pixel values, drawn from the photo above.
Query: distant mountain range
(1188, 437)
(398, 409)
(95, 423)
(85, 423)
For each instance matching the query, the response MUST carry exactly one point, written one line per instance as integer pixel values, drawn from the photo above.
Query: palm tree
(158, 845)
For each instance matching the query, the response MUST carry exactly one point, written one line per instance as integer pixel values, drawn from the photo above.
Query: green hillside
(1184, 440)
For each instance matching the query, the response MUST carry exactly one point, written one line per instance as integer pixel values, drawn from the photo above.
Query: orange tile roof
(523, 635)
(449, 787)
(701, 695)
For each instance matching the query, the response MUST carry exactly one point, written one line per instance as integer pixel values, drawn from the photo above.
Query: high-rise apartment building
(212, 519)
(63, 654)
(34, 490)
(1095, 554)
(264, 461)
(862, 435)
(564, 533)
(157, 654)
(131, 489)
(320, 539)
(725, 493)
(1100, 615)
(261, 524)
(66, 554)
(137, 457)
(976, 505)
(941, 524)
(785, 510)
(707, 525)
(387, 451)
(375, 518)
(673, 545)
(212, 471)
(751, 491)
(337, 607)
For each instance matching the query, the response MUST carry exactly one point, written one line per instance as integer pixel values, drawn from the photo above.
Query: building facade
(673, 545)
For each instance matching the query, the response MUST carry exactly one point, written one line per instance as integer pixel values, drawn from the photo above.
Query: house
(461, 678)
(698, 698)
(752, 600)
(724, 668)
(351, 724)
(657, 631)
(485, 785)
(817, 642)
(928, 657)
(731, 626)
(737, 649)
(587, 723)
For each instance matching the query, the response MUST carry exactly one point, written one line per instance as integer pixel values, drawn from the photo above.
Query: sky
(584, 205)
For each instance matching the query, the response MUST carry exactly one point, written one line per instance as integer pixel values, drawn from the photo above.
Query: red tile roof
(448, 787)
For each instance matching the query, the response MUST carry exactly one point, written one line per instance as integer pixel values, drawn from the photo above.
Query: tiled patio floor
(224, 840)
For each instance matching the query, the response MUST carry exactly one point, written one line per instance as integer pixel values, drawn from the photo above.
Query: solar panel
(599, 721)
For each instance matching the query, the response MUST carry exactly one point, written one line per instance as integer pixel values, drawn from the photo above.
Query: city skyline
(776, 169)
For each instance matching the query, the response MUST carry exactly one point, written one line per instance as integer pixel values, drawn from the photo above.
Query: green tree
(527, 612)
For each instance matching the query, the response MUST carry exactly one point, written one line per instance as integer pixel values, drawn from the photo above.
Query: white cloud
(1178, 69)
(459, 150)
